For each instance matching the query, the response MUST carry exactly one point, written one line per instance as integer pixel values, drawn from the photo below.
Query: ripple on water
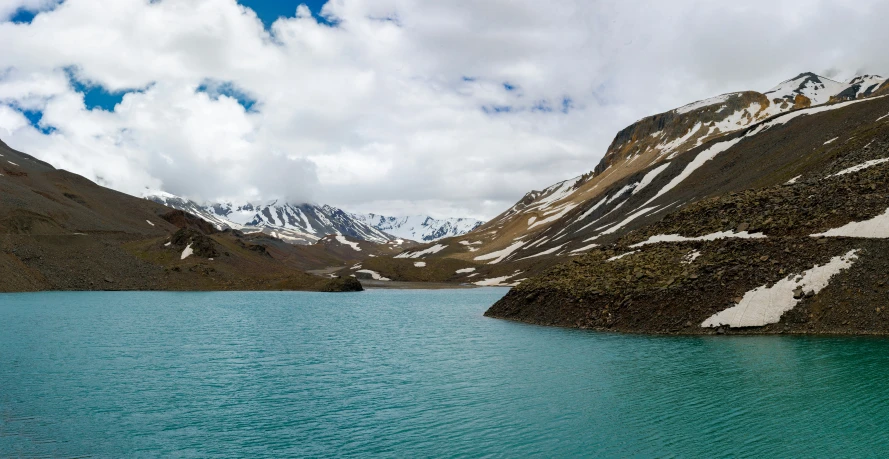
(410, 373)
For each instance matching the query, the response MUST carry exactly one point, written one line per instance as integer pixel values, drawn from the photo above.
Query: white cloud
(375, 114)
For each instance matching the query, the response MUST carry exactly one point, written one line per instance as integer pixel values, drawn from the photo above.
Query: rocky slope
(60, 231)
(780, 227)
(574, 216)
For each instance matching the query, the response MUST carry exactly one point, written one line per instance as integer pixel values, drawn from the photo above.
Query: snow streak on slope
(877, 227)
(702, 103)
(700, 159)
(421, 253)
(765, 305)
(706, 237)
(500, 255)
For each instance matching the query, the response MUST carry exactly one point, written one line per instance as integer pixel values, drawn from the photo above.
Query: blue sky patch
(25, 15)
(567, 104)
(215, 89)
(34, 117)
(542, 106)
(494, 109)
(96, 96)
(270, 10)
(22, 16)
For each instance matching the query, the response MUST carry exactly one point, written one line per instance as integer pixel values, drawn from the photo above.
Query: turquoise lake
(411, 373)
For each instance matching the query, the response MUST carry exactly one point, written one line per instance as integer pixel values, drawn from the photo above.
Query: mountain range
(748, 212)
(307, 223)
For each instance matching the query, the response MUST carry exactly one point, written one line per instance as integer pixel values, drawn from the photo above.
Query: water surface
(412, 373)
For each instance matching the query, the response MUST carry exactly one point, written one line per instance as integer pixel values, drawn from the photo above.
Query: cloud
(448, 107)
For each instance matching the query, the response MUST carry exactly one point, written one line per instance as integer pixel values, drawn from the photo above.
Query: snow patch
(625, 222)
(545, 252)
(699, 161)
(862, 166)
(465, 270)
(793, 180)
(498, 281)
(555, 217)
(691, 257)
(765, 305)
(621, 192)
(420, 264)
(373, 274)
(149, 222)
(708, 237)
(875, 228)
(10, 162)
(434, 249)
(831, 141)
(187, 252)
(649, 177)
(702, 103)
(585, 248)
(618, 257)
(342, 240)
(499, 255)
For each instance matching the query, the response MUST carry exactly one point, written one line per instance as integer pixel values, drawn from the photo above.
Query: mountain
(295, 223)
(307, 223)
(420, 228)
(817, 89)
(60, 231)
(779, 228)
(776, 225)
(644, 150)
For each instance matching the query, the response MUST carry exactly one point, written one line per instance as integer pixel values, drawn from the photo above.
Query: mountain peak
(815, 87)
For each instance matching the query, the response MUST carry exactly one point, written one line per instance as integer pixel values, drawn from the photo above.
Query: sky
(398, 107)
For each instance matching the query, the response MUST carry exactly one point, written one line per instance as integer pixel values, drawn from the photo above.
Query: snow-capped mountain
(294, 223)
(817, 88)
(860, 86)
(647, 151)
(307, 223)
(420, 228)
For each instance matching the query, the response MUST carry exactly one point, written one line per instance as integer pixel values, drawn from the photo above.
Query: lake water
(388, 373)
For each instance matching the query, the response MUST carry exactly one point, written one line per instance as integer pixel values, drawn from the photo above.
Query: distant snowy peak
(294, 223)
(815, 87)
(319, 220)
(421, 228)
(860, 86)
(187, 205)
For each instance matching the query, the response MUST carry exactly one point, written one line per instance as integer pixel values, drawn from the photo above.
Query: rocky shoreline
(666, 290)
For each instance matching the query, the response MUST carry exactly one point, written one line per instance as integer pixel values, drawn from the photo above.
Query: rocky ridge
(60, 231)
(655, 141)
(778, 228)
